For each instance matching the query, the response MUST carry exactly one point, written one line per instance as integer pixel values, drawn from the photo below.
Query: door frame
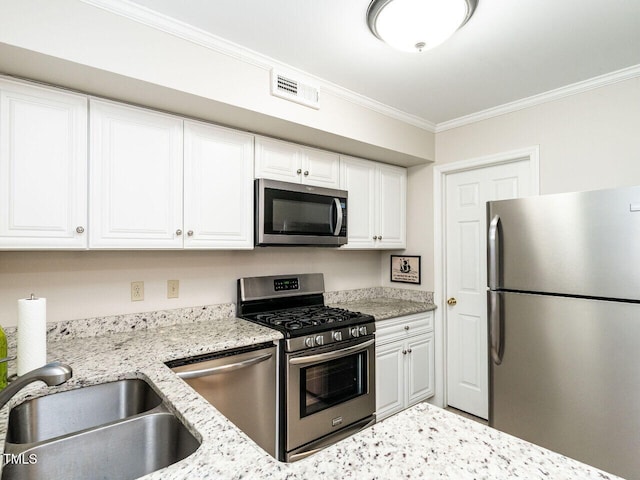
(440, 172)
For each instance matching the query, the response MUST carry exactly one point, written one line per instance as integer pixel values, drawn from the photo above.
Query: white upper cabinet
(135, 177)
(288, 162)
(377, 203)
(43, 168)
(392, 206)
(218, 187)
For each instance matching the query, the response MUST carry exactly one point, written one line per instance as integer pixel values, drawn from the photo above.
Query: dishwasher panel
(241, 384)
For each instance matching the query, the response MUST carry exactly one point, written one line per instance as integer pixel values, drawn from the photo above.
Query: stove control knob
(319, 340)
(362, 330)
(337, 336)
(354, 331)
(308, 341)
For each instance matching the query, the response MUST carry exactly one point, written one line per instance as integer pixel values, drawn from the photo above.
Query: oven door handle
(321, 357)
(205, 372)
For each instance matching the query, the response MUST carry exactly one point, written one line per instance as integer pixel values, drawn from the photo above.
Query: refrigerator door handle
(496, 343)
(493, 251)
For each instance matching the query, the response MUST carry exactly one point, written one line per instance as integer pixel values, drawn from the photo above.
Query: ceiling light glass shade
(417, 25)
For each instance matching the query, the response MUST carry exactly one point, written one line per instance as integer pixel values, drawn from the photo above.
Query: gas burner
(296, 312)
(307, 319)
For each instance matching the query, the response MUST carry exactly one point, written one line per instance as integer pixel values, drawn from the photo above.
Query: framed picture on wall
(405, 268)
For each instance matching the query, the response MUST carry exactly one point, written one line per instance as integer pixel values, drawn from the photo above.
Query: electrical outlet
(137, 291)
(173, 288)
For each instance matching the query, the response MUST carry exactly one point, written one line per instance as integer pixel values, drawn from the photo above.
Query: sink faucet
(54, 373)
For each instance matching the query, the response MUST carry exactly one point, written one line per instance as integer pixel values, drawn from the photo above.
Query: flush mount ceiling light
(417, 25)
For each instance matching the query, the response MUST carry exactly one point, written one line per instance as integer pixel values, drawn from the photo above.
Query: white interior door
(466, 272)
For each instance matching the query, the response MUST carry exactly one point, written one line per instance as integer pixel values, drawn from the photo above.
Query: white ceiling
(509, 50)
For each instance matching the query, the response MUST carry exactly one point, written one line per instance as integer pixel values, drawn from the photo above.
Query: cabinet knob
(190, 233)
(452, 301)
(80, 229)
(375, 237)
(409, 351)
(404, 352)
(379, 237)
(178, 232)
(407, 327)
(306, 173)
(299, 171)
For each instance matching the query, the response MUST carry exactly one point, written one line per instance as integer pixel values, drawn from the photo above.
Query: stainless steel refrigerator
(564, 324)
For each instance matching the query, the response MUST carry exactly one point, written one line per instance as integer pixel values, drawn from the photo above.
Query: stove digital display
(285, 284)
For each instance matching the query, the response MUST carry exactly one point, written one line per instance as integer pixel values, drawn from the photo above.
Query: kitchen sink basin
(75, 410)
(123, 450)
(116, 430)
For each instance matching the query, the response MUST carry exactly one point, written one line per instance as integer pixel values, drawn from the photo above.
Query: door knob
(452, 301)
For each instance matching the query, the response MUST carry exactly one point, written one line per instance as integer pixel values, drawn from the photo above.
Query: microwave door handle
(336, 231)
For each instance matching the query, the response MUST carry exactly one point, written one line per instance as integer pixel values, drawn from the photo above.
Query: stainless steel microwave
(295, 214)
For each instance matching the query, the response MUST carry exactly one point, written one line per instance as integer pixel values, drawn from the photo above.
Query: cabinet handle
(299, 171)
(306, 173)
(80, 229)
(178, 232)
(190, 233)
(404, 352)
(379, 237)
(407, 327)
(409, 350)
(375, 237)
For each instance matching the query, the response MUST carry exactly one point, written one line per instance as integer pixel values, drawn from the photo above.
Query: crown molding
(550, 96)
(187, 32)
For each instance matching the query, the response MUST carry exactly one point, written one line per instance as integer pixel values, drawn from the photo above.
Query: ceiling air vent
(287, 87)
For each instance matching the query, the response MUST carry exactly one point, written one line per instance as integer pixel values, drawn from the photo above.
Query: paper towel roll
(32, 334)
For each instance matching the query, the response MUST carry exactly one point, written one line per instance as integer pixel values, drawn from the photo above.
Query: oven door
(329, 389)
(292, 214)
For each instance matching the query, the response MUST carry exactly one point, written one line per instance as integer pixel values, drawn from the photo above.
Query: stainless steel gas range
(326, 365)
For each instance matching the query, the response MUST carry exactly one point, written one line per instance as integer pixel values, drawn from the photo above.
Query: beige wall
(89, 284)
(587, 141)
(419, 229)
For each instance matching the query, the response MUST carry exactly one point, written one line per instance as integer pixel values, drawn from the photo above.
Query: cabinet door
(135, 178)
(43, 168)
(392, 207)
(320, 168)
(278, 160)
(390, 383)
(420, 368)
(218, 187)
(358, 178)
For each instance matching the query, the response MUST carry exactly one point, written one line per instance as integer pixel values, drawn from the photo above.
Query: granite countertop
(421, 442)
(383, 308)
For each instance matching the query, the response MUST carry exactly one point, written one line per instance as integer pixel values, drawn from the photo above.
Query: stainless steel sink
(123, 430)
(75, 410)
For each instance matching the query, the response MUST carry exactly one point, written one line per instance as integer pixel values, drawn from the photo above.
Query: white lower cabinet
(404, 363)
